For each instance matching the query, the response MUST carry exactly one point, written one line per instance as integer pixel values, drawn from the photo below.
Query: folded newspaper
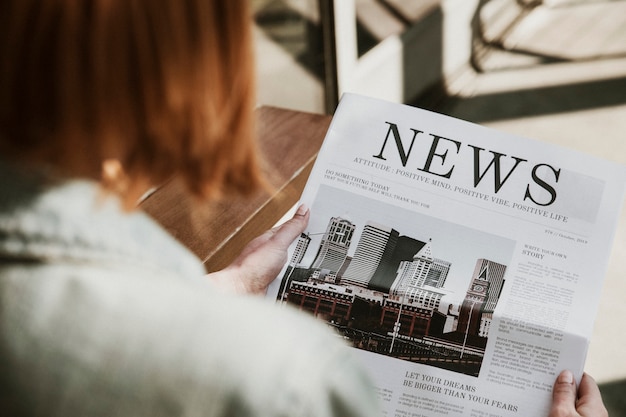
(463, 265)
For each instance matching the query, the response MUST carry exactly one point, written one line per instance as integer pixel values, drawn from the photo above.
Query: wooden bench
(217, 231)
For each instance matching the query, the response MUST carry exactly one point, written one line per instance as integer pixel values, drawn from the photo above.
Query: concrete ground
(558, 74)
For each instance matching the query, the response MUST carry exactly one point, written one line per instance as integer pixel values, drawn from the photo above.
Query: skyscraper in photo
(493, 272)
(438, 273)
(412, 274)
(375, 246)
(302, 245)
(482, 296)
(405, 250)
(334, 246)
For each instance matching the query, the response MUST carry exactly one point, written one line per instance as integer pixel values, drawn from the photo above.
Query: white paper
(464, 288)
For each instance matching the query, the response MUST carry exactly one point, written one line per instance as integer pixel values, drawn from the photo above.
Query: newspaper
(463, 264)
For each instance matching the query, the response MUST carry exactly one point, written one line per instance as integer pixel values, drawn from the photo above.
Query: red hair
(163, 86)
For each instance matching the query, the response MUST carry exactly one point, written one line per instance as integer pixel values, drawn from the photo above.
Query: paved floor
(558, 76)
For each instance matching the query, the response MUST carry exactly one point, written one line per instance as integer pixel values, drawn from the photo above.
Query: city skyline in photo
(459, 245)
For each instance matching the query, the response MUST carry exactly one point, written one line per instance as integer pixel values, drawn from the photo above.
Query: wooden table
(217, 231)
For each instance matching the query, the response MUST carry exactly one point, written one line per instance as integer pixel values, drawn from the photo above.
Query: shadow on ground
(614, 396)
(536, 101)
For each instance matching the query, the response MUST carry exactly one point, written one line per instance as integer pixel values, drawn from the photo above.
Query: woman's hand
(262, 259)
(567, 402)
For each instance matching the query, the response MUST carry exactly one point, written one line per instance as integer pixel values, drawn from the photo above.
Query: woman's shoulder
(118, 316)
(75, 220)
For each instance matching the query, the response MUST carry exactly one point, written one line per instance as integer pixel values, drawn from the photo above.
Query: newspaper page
(463, 265)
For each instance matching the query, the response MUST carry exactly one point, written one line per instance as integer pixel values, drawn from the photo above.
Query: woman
(101, 312)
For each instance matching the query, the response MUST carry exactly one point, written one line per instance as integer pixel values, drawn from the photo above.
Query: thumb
(291, 229)
(564, 396)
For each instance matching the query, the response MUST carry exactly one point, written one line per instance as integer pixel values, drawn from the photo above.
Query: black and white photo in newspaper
(463, 265)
